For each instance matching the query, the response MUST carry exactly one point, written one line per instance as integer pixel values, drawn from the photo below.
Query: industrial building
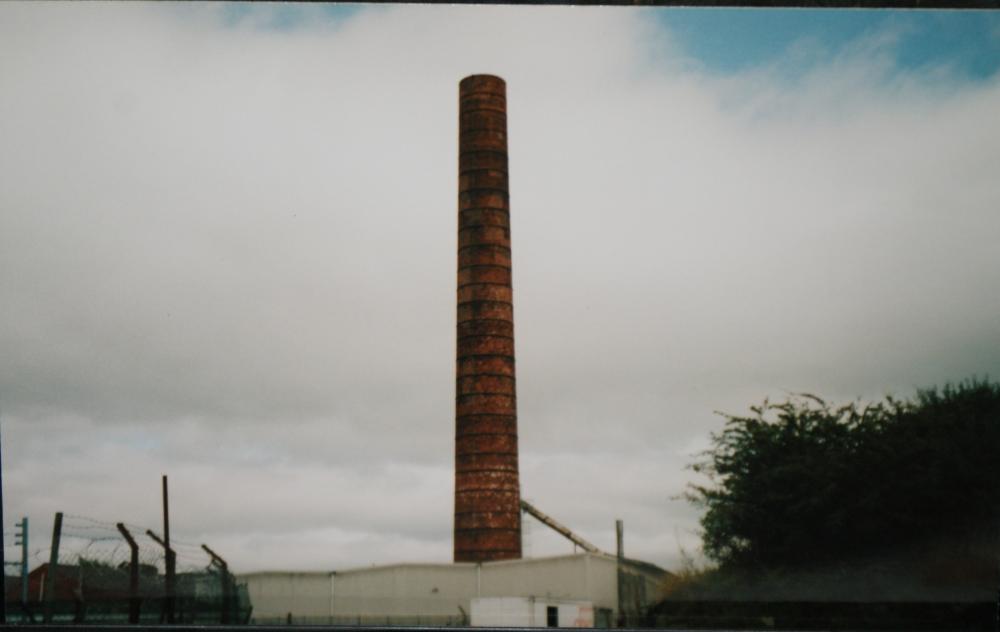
(489, 583)
(444, 594)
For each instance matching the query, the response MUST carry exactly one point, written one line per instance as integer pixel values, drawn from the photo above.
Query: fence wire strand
(94, 566)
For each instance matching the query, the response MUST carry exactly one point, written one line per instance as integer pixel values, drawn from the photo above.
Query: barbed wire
(95, 565)
(85, 540)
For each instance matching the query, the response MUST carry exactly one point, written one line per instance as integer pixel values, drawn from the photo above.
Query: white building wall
(438, 594)
(406, 590)
(275, 594)
(584, 576)
(530, 612)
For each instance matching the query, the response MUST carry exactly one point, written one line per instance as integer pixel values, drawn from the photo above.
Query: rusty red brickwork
(487, 493)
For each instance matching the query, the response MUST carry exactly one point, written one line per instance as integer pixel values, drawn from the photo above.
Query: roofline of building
(647, 566)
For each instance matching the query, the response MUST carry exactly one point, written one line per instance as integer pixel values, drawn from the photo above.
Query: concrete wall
(441, 594)
(275, 594)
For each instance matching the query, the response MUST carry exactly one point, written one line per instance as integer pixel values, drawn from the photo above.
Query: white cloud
(227, 254)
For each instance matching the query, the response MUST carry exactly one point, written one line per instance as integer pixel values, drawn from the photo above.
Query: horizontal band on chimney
(484, 292)
(487, 481)
(486, 444)
(470, 520)
(482, 139)
(482, 159)
(498, 233)
(484, 233)
(492, 310)
(483, 101)
(486, 273)
(504, 457)
(485, 120)
(483, 198)
(484, 434)
(485, 463)
(486, 174)
(491, 520)
(496, 333)
(485, 345)
(497, 384)
(475, 365)
(486, 327)
(485, 309)
(471, 251)
(485, 383)
(496, 404)
(483, 217)
(484, 255)
(496, 514)
(466, 501)
(484, 180)
(480, 423)
(484, 236)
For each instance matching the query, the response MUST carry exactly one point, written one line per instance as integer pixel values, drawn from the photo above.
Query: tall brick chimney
(487, 492)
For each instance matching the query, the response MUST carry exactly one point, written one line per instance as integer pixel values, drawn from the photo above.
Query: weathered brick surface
(472, 102)
(471, 501)
(482, 403)
(484, 520)
(478, 365)
(492, 481)
(482, 327)
(485, 159)
(488, 310)
(484, 217)
(487, 493)
(482, 179)
(484, 545)
(484, 384)
(485, 345)
(478, 291)
(484, 236)
(483, 198)
(483, 443)
(484, 423)
(483, 119)
(486, 462)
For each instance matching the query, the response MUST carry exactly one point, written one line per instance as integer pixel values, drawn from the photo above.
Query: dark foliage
(803, 484)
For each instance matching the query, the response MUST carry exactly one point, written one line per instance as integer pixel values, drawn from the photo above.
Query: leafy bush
(805, 484)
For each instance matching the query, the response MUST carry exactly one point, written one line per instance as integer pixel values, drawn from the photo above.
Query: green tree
(804, 484)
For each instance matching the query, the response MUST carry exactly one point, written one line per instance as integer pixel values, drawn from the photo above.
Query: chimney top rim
(469, 83)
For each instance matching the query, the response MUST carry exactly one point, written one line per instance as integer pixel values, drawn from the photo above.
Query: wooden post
(133, 575)
(50, 578)
(168, 606)
(619, 537)
(171, 576)
(226, 595)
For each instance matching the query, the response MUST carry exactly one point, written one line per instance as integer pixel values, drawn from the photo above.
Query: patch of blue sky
(283, 16)
(728, 41)
(732, 40)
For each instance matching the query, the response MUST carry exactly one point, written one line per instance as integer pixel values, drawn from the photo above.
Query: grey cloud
(227, 254)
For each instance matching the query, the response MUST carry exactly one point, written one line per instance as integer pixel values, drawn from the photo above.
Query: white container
(531, 612)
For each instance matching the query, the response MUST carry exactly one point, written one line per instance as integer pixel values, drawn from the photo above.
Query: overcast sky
(228, 234)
